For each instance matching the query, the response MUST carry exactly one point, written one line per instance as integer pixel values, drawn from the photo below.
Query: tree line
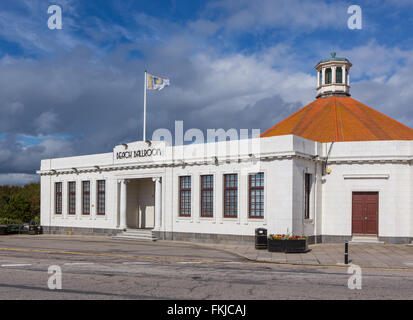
(20, 204)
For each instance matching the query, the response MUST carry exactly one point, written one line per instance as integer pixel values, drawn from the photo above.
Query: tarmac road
(101, 268)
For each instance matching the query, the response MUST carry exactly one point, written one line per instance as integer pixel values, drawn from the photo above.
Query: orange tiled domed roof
(340, 119)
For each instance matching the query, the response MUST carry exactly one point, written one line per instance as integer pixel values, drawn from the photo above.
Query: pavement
(366, 255)
(98, 267)
(391, 256)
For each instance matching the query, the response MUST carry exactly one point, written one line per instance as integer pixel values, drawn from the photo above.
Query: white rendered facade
(144, 191)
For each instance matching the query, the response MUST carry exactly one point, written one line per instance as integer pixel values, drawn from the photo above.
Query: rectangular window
(230, 195)
(256, 195)
(86, 197)
(185, 196)
(328, 75)
(339, 75)
(307, 192)
(207, 196)
(58, 198)
(71, 197)
(101, 197)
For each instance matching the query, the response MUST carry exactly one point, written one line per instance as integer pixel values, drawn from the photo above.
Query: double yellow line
(154, 258)
(107, 255)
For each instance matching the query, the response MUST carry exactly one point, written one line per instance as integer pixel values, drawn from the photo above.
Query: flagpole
(144, 108)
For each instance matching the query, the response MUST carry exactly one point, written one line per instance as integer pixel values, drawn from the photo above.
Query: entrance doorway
(365, 213)
(141, 204)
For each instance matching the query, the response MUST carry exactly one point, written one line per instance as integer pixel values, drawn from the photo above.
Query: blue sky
(79, 90)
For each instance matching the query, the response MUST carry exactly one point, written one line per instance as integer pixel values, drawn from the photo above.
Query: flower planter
(288, 246)
(294, 246)
(275, 245)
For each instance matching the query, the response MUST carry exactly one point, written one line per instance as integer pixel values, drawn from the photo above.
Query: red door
(365, 213)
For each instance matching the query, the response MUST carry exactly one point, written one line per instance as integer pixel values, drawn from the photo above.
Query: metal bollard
(346, 253)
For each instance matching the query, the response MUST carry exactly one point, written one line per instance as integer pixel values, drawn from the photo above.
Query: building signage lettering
(138, 154)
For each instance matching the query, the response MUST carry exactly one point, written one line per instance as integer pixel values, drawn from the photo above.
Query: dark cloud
(76, 97)
(78, 104)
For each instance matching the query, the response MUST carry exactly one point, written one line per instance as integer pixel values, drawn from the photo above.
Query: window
(230, 195)
(320, 75)
(339, 75)
(185, 196)
(58, 198)
(256, 195)
(328, 76)
(101, 197)
(71, 196)
(207, 196)
(86, 197)
(307, 191)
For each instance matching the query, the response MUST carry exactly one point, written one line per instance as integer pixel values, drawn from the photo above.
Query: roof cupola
(333, 77)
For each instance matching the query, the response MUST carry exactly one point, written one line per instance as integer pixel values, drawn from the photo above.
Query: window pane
(86, 197)
(328, 75)
(185, 196)
(207, 182)
(231, 195)
(101, 197)
(58, 198)
(307, 191)
(72, 197)
(256, 195)
(339, 75)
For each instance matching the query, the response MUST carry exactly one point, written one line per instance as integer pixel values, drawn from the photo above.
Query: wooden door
(365, 213)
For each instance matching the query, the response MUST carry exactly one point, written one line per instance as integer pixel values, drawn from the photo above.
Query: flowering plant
(285, 237)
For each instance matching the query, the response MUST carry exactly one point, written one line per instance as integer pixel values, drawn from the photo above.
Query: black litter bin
(3, 229)
(261, 239)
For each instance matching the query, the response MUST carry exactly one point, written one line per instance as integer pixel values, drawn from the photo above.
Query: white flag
(155, 82)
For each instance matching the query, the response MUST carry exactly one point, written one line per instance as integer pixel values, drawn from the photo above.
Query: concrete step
(365, 239)
(138, 230)
(137, 238)
(136, 234)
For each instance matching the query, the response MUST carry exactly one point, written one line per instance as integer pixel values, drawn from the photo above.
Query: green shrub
(20, 204)
(10, 221)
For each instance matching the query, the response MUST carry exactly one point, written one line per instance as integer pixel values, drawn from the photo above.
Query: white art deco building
(334, 170)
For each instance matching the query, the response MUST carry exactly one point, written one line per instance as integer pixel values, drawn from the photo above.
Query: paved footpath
(102, 268)
(394, 256)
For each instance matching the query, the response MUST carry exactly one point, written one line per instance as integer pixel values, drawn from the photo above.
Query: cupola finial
(333, 77)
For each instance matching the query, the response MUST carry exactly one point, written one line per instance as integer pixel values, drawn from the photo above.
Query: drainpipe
(314, 193)
(315, 202)
(323, 172)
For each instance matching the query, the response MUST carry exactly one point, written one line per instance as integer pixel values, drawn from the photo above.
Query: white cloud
(250, 16)
(29, 29)
(375, 60)
(203, 27)
(18, 179)
(387, 79)
(46, 122)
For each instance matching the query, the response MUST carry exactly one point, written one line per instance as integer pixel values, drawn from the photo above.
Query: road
(100, 268)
